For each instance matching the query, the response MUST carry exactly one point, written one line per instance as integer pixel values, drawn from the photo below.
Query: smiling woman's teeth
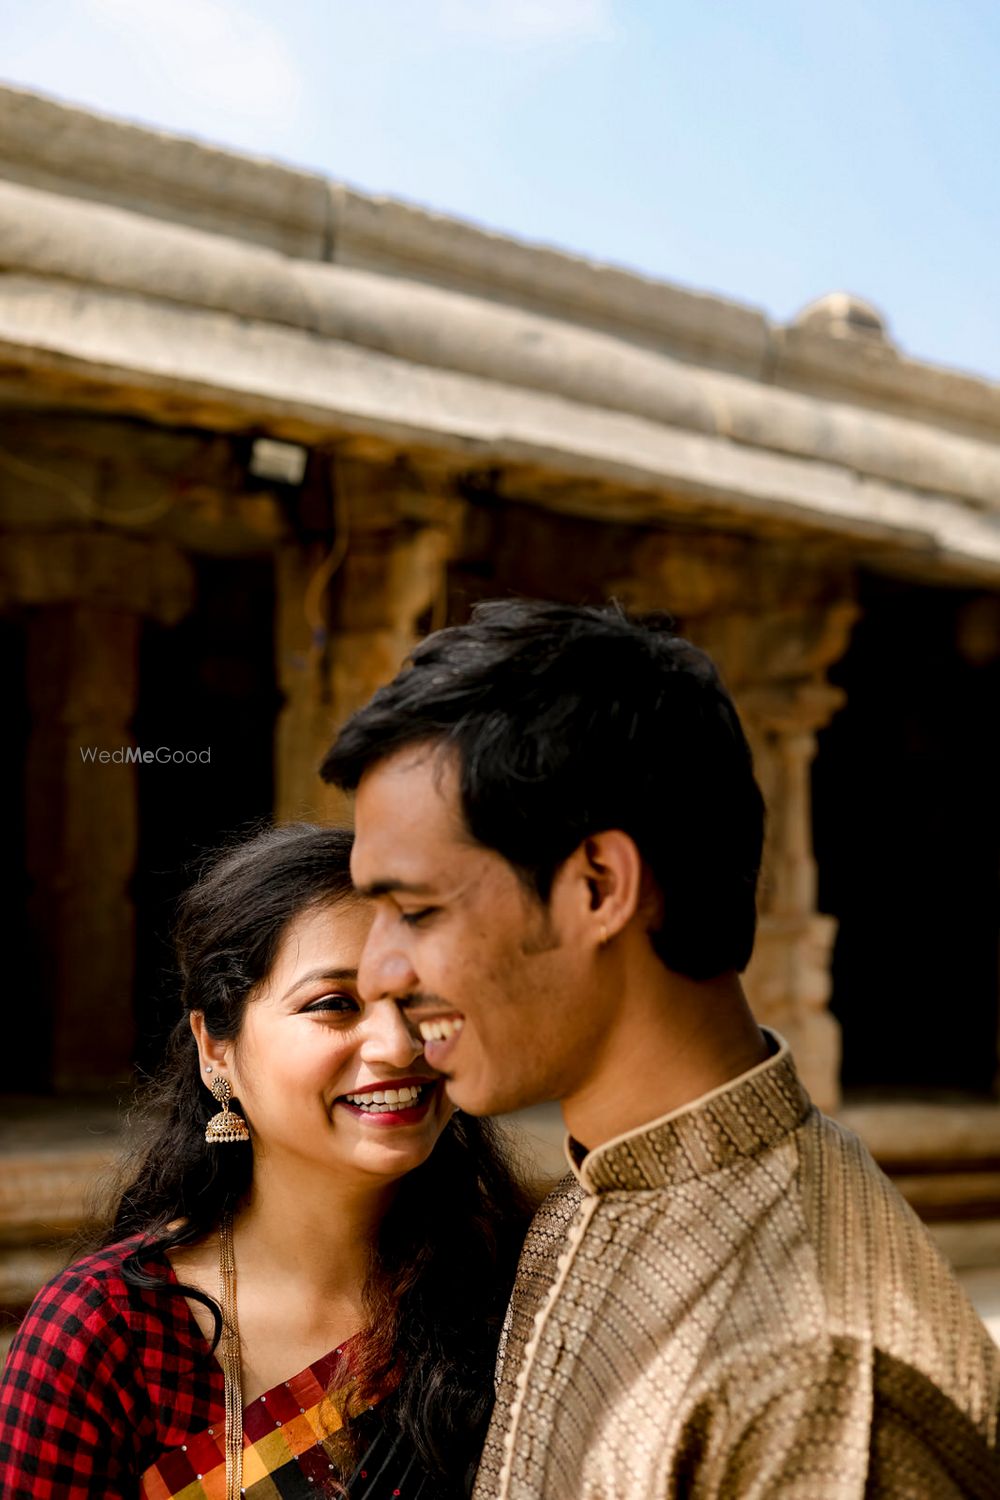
(440, 1031)
(384, 1101)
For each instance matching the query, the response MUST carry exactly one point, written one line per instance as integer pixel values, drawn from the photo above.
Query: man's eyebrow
(314, 974)
(393, 887)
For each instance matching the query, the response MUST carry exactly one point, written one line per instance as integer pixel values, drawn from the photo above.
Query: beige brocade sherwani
(734, 1301)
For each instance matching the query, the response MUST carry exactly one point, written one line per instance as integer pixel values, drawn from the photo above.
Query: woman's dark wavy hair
(444, 1264)
(571, 720)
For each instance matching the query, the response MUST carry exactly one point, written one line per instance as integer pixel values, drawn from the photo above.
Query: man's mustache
(422, 1000)
(418, 1004)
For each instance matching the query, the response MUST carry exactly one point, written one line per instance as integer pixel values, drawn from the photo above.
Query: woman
(361, 1239)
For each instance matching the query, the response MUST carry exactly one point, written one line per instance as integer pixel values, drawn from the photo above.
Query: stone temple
(259, 432)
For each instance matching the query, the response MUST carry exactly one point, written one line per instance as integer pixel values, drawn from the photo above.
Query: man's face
(509, 997)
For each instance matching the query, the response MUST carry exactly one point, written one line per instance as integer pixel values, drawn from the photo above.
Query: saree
(290, 1449)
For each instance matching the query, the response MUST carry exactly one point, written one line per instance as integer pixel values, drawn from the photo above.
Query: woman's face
(324, 1077)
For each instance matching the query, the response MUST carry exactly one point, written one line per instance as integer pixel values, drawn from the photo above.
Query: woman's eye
(331, 1004)
(415, 918)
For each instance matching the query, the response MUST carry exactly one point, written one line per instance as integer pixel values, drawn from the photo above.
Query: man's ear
(612, 867)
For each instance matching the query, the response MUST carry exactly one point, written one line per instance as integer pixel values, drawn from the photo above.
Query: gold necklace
(229, 1355)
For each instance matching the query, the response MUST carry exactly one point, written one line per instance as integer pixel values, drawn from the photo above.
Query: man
(558, 821)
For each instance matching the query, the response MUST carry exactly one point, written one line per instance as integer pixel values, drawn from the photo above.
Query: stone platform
(53, 1156)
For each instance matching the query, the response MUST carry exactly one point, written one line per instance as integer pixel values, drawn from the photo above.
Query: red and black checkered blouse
(112, 1390)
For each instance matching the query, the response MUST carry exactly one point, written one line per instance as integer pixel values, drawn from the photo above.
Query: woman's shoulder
(75, 1388)
(90, 1290)
(74, 1327)
(104, 1267)
(91, 1323)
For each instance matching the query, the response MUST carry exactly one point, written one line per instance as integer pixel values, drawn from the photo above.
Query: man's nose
(387, 1038)
(384, 970)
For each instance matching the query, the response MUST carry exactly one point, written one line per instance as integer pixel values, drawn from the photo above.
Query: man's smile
(441, 1028)
(439, 1035)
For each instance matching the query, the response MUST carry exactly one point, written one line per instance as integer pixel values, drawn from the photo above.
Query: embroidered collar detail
(740, 1119)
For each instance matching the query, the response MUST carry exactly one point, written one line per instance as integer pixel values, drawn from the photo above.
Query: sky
(767, 150)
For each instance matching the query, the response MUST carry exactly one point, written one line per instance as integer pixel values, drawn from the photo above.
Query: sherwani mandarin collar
(740, 1119)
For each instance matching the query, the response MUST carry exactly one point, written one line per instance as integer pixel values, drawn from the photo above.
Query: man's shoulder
(537, 1269)
(559, 1206)
(546, 1237)
(544, 1243)
(881, 1275)
(856, 1218)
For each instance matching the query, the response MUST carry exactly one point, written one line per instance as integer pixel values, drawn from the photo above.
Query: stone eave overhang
(125, 308)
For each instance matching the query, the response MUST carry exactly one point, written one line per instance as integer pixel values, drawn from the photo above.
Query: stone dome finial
(841, 315)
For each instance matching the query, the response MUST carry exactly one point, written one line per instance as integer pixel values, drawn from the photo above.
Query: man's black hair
(568, 721)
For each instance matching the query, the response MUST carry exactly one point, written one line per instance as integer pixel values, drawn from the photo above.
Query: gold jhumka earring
(225, 1126)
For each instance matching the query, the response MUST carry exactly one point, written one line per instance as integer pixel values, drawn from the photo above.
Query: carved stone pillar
(774, 621)
(777, 679)
(82, 597)
(788, 981)
(347, 619)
